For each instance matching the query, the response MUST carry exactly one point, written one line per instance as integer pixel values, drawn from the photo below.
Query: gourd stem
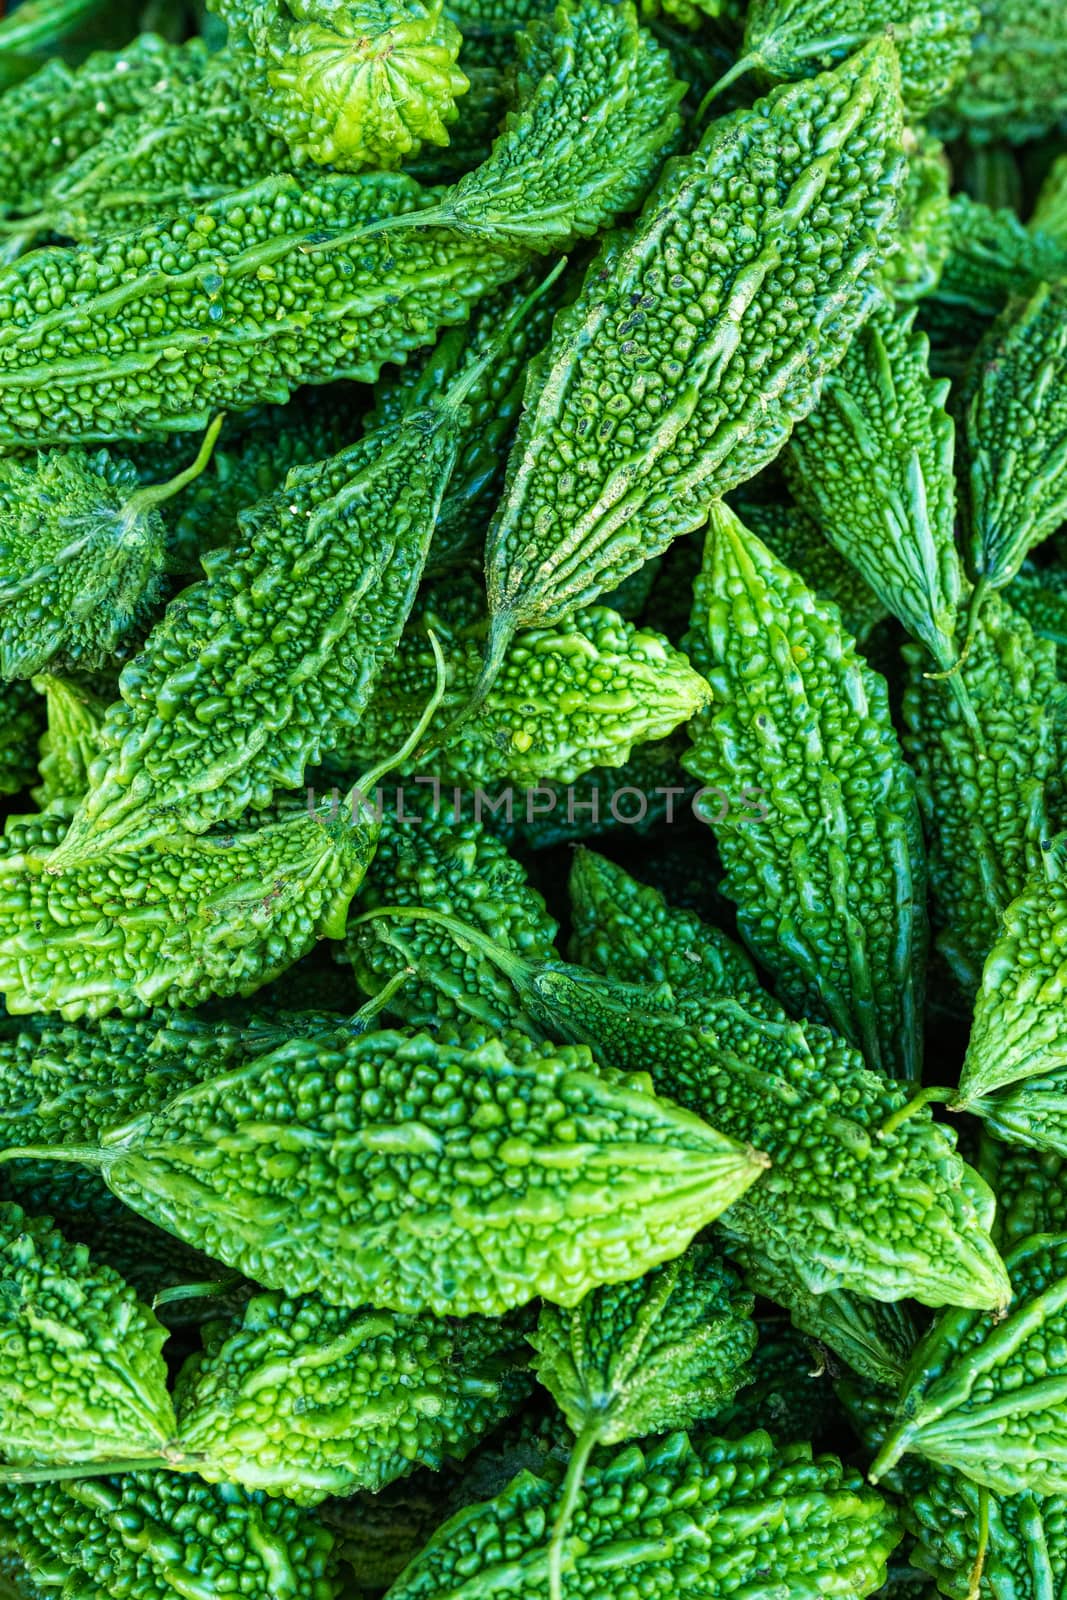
(738, 70)
(86, 1155)
(458, 391)
(501, 633)
(893, 1447)
(207, 1289)
(368, 1012)
(512, 966)
(93, 1469)
(154, 494)
(925, 1097)
(370, 780)
(572, 1487)
(975, 1584)
(978, 599)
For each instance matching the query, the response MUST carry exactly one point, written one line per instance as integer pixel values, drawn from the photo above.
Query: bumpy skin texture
(1015, 85)
(873, 465)
(459, 1174)
(800, 544)
(256, 670)
(432, 860)
(347, 82)
(984, 1394)
(69, 744)
(149, 333)
(177, 923)
(21, 721)
(189, 145)
(984, 791)
(1030, 1188)
(830, 888)
(576, 694)
(303, 1399)
(615, 455)
(81, 564)
(48, 121)
(1026, 1554)
(164, 1536)
(1018, 1030)
(1017, 391)
(845, 1207)
(662, 1352)
(627, 931)
(709, 1520)
(925, 229)
(794, 38)
(1039, 596)
(82, 1375)
(993, 256)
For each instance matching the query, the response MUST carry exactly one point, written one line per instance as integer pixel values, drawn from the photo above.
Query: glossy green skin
(627, 931)
(458, 1174)
(874, 1340)
(704, 1520)
(303, 1399)
(348, 83)
(1018, 1031)
(800, 544)
(662, 1352)
(984, 794)
(657, 304)
(252, 459)
(873, 466)
(481, 113)
(81, 565)
(186, 147)
(830, 888)
(795, 38)
(21, 722)
(69, 744)
(993, 256)
(1015, 85)
(253, 672)
(1017, 390)
(459, 867)
(984, 1394)
(149, 333)
(82, 1376)
(52, 118)
(165, 1536)
(575, 694)
(1026, 1557)
(172, 924)
(1030, 1188)
(925, 220)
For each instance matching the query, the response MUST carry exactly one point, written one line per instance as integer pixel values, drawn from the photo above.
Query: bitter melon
(69, 744)
(799, 543)
(363, 82)
(303, 1399)
(1018, 1543)
(1015, 84)
(697, 342)
(830, 890)
(458, 1173)
(82, 1375)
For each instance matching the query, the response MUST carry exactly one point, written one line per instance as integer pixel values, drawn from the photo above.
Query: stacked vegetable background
(433, 438)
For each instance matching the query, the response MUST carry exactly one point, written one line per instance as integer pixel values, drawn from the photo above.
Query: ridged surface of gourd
(984, 1394)
(165, 1536)
(69, 744)
(1020, 1025)
(303, 1399)
(176, 923)
(795, 38)
(698, 339)
(992, 256)
(662, 1352)
(873, 465)
(576, 694)
(82, 1376)
(52, 118)
(1039, 596)
(1015, 85)
(1026, 1550)
(800, 544)
(427, 858)
(1017, 391)
(461, 1173)
(984, 790)
(149, 333)
(81, 565)
(830, 889)
(925, 228)
(706, 1519)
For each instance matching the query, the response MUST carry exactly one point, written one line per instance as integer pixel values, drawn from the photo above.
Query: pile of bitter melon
(533, 720)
